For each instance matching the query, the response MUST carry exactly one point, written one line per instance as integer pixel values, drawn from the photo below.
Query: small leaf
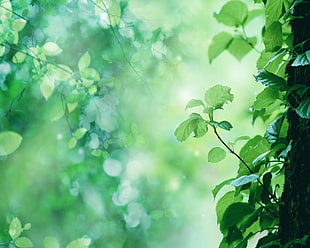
(51, 49)
(90, 74)
(79, 243)
(79, 133)
(242, 138)
(184, 130)
(303, 110)
(219, 44)
(260, 157)
(84, 61)
(47, 87)
(216, 154)
(194, 103)
(225, 125)
(9, 142)
(27, 226)
(302, 59)
(19, 57)
(51, 242)
(23, 242)
(244, 180)
(271, 80)
(15, 228)
(72, 143)
(220, 186)
(218, 95)
(19, 24)
(233, 13)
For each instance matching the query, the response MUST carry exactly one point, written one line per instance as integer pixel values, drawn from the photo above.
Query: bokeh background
(144, 189)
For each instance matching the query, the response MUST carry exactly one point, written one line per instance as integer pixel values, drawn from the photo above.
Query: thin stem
(245, 164)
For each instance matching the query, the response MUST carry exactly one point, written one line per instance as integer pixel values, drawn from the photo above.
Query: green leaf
(90, 74)
(79, 133)
(233, 14)
(273, 11)
(243, 243)
(220, 186)
(216, 154)
(260, 157)
(15, 228)
(19, 57)
(303, 110)
(234, 215)
(265, 98)
(273, 130)
(271, 80)
(302, 59)
(9, 142)
(114, 13)
(244, 180)
(273, 37)
(51, 49)
(195, 123)
(84, 61)
(225, 201)
(51, 242)
(225, 125)
(79, 243)
(239, 47)
(59, 72)
(27, 226)
(23, 242)
(194, 103)
(56, 111)
(219, 44)
(19, 24)
(218, 95)
(47, 87)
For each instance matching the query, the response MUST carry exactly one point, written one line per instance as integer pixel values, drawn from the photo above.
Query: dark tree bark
(295, 211)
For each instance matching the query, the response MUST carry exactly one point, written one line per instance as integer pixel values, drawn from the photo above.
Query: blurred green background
(146, 189)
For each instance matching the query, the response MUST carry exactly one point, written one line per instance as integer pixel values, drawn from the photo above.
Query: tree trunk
(295, 211)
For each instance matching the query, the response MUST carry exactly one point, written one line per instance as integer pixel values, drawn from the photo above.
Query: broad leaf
(239, 47)
(19, 24)
(201, 128)
(302, 59)
(84, 61)
(225, 201)
(219, 44)
(273, 37)
(9, 142)
(114, 12)
(218, 95)
(216, 154)
(79, 243)
(303, 110)
(47, 87)
(265, 98)
(244, 180)
(233, 13)
(23, 242)
(15, 228)
(187, 127)
(225, 125)
(194, 103)
(273, 11)
(273, 130)
(234, 215)
(19, 57)
(51, 242)
(90, 74)
(59, 72)
(271, 80)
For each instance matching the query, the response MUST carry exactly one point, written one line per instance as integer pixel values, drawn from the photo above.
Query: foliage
(253, 207)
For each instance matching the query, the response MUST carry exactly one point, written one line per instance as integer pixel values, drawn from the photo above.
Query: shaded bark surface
(295, 211)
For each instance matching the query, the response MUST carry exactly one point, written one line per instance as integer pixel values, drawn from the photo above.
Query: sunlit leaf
(19, 24)
(47, 87)
(9, 142)
(27, 226)
(216, 154)
(23, 242)
(6, 8)
(15, 228)
(265, 98)
(233, 13)
(56, 111)
(220, 186)
(273, 11)
(84, 61)
(302, 59)
(225, 125)
(194, 103)
(244, 180)
(59, 72)
(239, 47)
(114, 12)
(79, 243)
(218, 95)
(201, 128)
(51, 242)
(271, 80)
(90, 74)
(303, 110)
(51, 49)
(19, 57)
(72, 143)
(187, 127)
(219, 44)
(79, 133)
